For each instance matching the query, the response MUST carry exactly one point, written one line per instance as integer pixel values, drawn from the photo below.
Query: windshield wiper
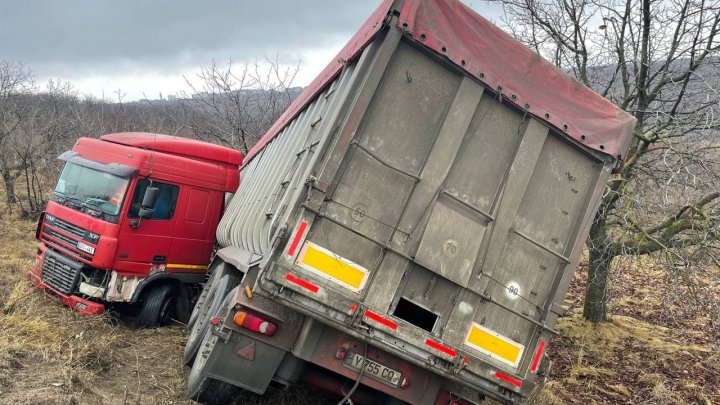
(76, 204)
(73, 202)
(98, 201)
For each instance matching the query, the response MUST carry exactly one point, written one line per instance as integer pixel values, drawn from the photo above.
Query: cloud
(167, 33)
(100, 43)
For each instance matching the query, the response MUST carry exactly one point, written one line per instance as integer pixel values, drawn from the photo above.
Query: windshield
(91, 191)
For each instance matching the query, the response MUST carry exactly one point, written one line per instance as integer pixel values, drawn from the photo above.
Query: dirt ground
(660, 348)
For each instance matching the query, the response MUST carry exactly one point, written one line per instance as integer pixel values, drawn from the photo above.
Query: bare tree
(48, 128)
(658, 60)
(234, 106)
(16, 83)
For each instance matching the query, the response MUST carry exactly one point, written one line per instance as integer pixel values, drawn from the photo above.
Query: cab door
(197, 216)
(148, 240)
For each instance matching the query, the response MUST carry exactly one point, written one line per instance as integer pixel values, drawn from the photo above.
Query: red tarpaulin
(497, 60)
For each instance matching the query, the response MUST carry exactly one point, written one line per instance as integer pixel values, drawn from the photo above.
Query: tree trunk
(601, 257)
(9, 183)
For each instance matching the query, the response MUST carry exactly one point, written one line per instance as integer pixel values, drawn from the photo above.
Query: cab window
(164, 205)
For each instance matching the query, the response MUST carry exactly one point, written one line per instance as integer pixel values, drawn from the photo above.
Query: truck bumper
(81, 305)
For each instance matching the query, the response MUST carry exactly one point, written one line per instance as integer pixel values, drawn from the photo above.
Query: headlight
(85, 248)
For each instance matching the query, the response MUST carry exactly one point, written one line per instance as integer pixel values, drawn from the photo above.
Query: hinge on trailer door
(280, 236)
(310, 183)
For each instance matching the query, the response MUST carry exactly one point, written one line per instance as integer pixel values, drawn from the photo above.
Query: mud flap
(244, 362)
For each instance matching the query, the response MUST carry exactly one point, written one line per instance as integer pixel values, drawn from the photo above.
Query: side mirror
(149, 199)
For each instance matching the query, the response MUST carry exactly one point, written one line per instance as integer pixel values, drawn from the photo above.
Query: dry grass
(51, 355)
(658, 348)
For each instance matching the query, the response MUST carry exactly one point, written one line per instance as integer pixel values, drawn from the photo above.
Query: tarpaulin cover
(497, 60)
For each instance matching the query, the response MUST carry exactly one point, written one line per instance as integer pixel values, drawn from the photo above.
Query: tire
(158, 306)
(199, 303)
(217, 292)
(216, 274)
(204, 389)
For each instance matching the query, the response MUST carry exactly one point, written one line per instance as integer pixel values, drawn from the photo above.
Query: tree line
(224, 104)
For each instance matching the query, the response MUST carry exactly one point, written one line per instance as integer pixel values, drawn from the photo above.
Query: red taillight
(215, 320)
(298, 237)
(508, 379)
(538, 356)
(254, 323)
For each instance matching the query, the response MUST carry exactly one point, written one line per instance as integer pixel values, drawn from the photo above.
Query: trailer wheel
(158, 306)
(199, 303)
(205, 311)
(215, 275)
(204, 389)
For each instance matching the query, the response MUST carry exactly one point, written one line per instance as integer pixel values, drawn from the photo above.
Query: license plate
(373, 369)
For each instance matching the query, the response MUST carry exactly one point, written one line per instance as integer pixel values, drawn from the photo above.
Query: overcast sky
(146, 47)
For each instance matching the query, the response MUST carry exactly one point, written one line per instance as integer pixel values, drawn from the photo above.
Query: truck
(408, 228)
(132, 222)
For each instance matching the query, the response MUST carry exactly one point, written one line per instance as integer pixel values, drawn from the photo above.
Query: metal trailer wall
(274, 180)
(446, 198)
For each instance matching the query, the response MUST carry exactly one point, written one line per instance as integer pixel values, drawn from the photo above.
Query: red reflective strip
(507, 378)
(298, 236)
(379, 319)
(438, 346)
(302, 283)
(538, 356)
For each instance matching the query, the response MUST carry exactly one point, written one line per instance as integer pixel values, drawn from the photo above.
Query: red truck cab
(132, 219)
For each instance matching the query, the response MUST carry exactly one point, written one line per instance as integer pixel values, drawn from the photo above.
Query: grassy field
(658, 349)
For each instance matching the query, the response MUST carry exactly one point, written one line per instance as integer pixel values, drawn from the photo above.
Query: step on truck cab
(408, 229)
(132, 219)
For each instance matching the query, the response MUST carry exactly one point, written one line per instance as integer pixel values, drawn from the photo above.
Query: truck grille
(60, 275)
(66, 226)
(58, 235)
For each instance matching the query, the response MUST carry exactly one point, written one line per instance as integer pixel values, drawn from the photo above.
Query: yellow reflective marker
(494, 345)
(185, 266)
(332, 267)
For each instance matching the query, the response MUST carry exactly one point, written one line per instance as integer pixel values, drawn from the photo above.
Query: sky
(140, 48)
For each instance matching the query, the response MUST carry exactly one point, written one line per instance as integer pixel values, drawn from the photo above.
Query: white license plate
(373, 369)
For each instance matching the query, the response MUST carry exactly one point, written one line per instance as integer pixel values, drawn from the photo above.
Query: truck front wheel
(157, 307)
(202, 388)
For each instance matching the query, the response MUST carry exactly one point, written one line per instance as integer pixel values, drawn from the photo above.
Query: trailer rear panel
(411, 204)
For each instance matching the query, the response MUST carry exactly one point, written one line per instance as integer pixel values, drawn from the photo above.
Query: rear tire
(217, 292)
(204, 389)
(198, 304)
(215, 275)
(158, 306)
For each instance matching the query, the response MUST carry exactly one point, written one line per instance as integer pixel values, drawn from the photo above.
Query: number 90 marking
(513, 290)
